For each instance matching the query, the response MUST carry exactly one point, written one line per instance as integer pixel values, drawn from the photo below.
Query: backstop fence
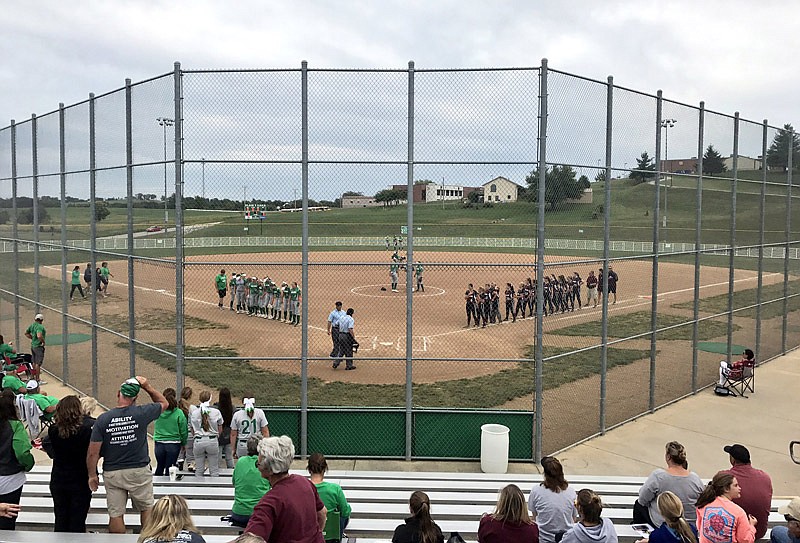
(410, 186)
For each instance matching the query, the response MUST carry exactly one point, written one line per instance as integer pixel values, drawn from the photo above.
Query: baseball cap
(738, 452)
(791, 509)
(32, 385)
(338, 304)
(38, 317)
(130, 388)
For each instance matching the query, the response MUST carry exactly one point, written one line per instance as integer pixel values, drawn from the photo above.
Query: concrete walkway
(764, 422)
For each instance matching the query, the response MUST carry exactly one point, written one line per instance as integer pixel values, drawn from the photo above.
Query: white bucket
(494, 448)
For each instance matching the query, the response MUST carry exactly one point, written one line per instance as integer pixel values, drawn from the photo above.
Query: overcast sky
(735, 55)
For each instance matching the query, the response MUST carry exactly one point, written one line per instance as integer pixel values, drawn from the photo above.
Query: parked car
(155, 228)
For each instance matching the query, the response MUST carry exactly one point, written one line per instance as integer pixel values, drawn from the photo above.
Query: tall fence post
(761, 208)
(656, 240)
(538, 352)
(606, 244)
(732, 254)
(129, 188)
(788, 233)
(698, 220)
(180, 339)
(35, 170)
(62, 166)
(93, 235)
(15, 228)
(304, 271)
(410, 269)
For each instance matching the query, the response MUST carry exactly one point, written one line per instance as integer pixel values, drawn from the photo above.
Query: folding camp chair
(333, 527)
(31, 415)
(741, 379)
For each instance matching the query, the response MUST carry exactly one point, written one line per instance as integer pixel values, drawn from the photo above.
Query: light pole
(164, 122)
(666, 124)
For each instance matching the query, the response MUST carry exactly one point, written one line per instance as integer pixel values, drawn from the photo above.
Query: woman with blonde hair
(677, 479)
(170, 522)
(510, 522)
(718, 518)
(552, 502)
(419, 527)
(206, 425)
(675, 529)
(591, 528)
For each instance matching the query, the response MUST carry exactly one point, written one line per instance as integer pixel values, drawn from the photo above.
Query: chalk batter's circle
(374, 291)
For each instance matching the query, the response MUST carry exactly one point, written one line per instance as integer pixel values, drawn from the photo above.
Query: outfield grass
(748, 297)
(631, 324)
(480, 392)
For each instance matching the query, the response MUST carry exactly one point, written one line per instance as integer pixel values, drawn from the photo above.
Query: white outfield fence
(444, 242)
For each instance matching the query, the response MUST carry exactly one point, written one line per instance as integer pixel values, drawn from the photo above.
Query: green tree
(583, 182)
(712, 162)
(600, 177)
(25, 216)
(3, 216)
(778, 152)
(101, 211)
(559, 185)
(423, 182)
(644, 165)
(475, 197)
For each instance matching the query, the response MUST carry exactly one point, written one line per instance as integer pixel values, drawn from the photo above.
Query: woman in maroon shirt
(510, 522)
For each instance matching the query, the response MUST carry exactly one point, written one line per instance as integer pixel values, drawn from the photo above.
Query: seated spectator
(552, 502)
(756, 498)
(674, 529)
(735, 369)
(170, 522)
(677, 479)
(331, 494)
(7, 350)
(591, 528)
(419, 527)
(11, 381)
(248, 484)
(67, 442)
(791, 532)
(291, 510)
(510, 522)
(718, 518)
(46, 403)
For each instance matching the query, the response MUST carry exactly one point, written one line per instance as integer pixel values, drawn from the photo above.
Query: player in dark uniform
(509, 297)
(484, 305)
(576, 288)
(612, 283)
(547, 302)
(494, 298)
(470, 297)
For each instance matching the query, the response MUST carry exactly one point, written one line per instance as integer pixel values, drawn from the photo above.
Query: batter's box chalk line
(418, 343)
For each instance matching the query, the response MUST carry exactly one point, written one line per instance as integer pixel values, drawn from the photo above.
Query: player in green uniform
(276, 301)
(104, 275)
(76, 282)
(393, 275)
(232, 287)
(294, 294)
(254, 291)
(221, 282)
(286, 295)
(418, 274)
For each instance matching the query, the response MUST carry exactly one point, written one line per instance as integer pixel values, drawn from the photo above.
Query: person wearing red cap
(791, 532)
(756, 498)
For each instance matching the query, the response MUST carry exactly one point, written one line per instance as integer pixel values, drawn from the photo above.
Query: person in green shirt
(294, 311)
(7, 351)
(418, 274)
(76, 283)
(16, 456)
(248, 484)
(11, 381)
(171, 431)
(221, 283)
(104, 275)
(286, 295)
(46, 403)
(393, 275)
(331, 494)
(36, 333)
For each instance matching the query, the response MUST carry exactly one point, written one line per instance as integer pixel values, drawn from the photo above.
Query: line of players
(560, 294)
(265, 298)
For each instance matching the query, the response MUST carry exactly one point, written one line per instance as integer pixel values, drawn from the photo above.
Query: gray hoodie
(602, 533)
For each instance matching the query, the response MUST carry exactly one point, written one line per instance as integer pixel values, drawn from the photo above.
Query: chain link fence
(521, 246)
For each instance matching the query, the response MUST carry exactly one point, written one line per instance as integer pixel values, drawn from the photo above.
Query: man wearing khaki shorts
(120, 437)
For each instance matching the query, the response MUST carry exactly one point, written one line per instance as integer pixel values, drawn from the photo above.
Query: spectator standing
(76, 283)
(333, 327)
(225, 406)
(718, 517)
(67, 442)
(674, 529)
(170, 434)
(187, 454)
(15, 457)
(756, 498)
(419, 527)
(591, 289)
(331, 494)
(120, 437)
(37, 334)
(248, 484)
(170, 522)
(791, 532)
(510, 522)
(247, 422)
(291, 510)
(592, 528)
(206, 422)
(552, 502)
(677, 479)
(105, 273)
